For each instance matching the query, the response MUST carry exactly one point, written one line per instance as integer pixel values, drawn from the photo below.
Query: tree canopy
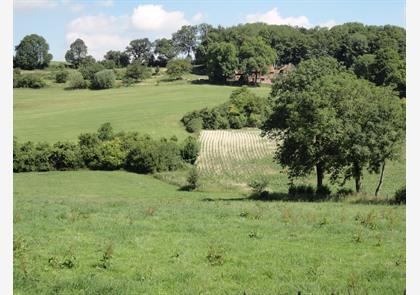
(327, 119)
(32, 53)
(77, 53)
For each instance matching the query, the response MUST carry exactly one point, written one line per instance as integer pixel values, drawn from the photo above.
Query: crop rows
(232, 152)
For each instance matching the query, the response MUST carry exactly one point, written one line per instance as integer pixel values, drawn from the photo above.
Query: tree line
(375, 53)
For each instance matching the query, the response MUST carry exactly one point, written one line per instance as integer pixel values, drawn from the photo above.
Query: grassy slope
(162, 237)
(53, 114)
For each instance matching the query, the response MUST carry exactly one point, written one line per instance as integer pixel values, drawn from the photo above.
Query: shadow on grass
(284, 197)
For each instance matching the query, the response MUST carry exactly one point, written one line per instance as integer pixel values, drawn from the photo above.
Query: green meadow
(97, 232)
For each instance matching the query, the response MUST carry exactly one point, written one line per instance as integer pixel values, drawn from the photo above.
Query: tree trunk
(357, 173)
(319, 175)
(381, 179)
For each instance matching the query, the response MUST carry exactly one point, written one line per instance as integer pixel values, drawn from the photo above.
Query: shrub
(108, 64)
(194, 125)
(23, 157)
(237, 122)
(190, 149)
(192, 179)
(28, 81)
(119, 74)
(111, 155)
(89, 149)
(399, 197)
(149, 156)
(88, 70)
(42, 157)
(61, 76)
(344, 192)
(66, 156)
(137, 71)
(103, 79)
(259, 184)
(105, 132)
(177, 67)
(75, 81)
(323, 191)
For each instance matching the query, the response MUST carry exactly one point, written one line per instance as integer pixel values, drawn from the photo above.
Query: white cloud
(197, 17)
(31, 4)
(153, 18)
(100, 33)
(77, 7)
(273, 17)
(329, 24)
(105, 3)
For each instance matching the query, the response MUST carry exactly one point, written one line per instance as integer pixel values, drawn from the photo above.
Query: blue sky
(111, 24)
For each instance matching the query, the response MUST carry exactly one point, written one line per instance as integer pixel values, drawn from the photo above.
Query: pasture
(87, 232)
(52, 113)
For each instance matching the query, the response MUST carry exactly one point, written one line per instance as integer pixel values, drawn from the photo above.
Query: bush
(75, 81)
(66, 156)
(61, 76)
(149, 156)
(323, 191)
(192, 179)
(177, 67)
(399, 197)
(111, 155)
(89, 149)
(23, 157)
(108, 64)
(42, 157)
(194, 125)
(119, 74)
(259, 184)
(28, 81)
(104, 79)
(190, 149)
(88, 70)
(105, 132)
(137, 71)
(237, 122)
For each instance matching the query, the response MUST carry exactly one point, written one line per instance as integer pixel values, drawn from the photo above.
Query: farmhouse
(263, 79)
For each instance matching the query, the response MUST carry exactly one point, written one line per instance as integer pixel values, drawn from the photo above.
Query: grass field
(164, 241)
(52, 113)
(92, 232)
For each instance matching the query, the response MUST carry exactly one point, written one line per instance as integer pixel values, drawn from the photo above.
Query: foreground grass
(53, 114)
(91, 232)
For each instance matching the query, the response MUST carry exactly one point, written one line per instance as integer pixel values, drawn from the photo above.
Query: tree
(222, 61)
(177, 67)
(32, 53)
(255, 56)
(389, 69)
(137, 71)
(121, 59)
(185, 39)
(363, 67)
(165, 50)
(372, 124)
(140, 50)
(76, 53)
(302, 120)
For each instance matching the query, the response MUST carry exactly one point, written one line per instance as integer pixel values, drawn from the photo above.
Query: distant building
(263, 79)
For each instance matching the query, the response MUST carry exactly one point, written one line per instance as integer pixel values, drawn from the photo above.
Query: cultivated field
(235, 155)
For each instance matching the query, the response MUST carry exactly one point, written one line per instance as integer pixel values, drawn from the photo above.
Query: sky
(111, 24)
